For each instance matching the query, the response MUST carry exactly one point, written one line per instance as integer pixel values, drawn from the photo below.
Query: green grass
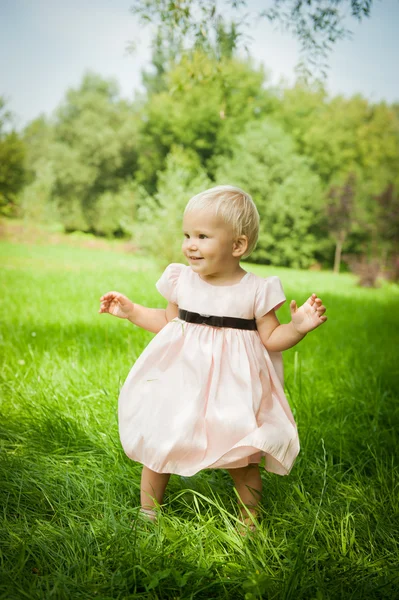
(69, 497)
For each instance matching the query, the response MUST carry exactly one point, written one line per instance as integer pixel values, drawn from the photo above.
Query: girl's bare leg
(153, 487)
(248, 483)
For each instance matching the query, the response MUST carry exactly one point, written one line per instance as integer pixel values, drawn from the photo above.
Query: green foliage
(342, 135)
(101, 159)
(205, 105)
(38, 137)
(288, 195)
(165, 51)
(96, 133)
(388, 215)
(36, 198)
(316, 25)
(115, 212)
(12, 163)
(91, 152)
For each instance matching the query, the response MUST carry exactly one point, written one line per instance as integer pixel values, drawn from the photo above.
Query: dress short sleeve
(167, 284)
(269, 295)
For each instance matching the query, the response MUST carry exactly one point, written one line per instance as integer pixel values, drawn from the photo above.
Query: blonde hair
(236, 208)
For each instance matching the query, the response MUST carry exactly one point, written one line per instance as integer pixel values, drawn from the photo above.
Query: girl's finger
(110, 295)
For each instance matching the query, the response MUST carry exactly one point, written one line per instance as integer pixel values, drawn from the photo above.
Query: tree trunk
(337, 257)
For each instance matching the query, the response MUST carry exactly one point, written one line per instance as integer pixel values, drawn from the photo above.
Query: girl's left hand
(308, 316)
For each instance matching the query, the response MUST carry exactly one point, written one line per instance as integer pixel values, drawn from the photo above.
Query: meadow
(69, 497)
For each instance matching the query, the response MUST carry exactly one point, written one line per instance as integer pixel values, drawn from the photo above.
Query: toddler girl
(207, 392)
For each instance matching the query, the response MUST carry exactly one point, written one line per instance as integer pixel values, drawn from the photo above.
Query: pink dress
(203, 397)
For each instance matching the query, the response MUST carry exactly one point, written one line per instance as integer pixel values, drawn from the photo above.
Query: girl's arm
(276, 337)
(151, 319)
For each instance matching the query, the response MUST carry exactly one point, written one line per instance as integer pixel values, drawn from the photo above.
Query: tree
(12, 163)
(38, 137)
(87, 156)
(387, 226)
(168, 50)
(341, 135)
(317, 24)
(340, 214)
(205, 104)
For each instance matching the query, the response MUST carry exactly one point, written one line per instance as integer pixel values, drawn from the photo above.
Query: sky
(47, 45)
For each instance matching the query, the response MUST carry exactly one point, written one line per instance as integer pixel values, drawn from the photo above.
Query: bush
(114, 212)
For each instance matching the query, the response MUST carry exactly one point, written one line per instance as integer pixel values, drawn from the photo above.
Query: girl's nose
(189, 245)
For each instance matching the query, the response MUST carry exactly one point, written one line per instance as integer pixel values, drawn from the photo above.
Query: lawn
(69, 497)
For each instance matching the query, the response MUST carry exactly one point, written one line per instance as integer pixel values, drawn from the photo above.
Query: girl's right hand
(116, 304)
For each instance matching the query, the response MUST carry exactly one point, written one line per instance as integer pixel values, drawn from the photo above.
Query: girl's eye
(202, 236)
(186, 236)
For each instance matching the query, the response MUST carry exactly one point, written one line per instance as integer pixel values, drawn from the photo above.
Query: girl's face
(208, 244)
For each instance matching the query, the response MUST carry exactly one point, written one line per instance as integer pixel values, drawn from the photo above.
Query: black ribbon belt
(233, 322)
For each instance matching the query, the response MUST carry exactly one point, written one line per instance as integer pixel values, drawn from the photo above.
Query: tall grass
(69, 496)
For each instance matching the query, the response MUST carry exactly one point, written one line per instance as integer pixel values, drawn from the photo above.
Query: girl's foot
(246, 527)
(149, 514)
(248, 521)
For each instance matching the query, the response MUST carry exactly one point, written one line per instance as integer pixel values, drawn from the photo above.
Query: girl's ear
(240, 246)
